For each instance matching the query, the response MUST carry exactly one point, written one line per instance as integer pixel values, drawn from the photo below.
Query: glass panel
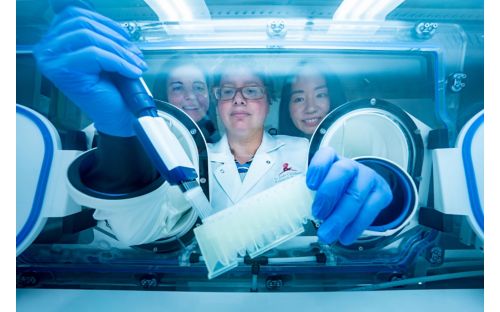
(302, 70)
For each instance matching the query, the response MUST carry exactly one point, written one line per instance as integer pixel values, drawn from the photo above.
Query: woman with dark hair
(183, 83)
(308, 95)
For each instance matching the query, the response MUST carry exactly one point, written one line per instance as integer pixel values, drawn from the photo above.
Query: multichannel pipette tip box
(254, 225)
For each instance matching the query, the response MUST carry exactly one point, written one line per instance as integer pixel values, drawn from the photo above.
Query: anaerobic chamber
(405, 84)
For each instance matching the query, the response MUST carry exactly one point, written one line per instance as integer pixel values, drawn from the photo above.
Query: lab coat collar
(220, 151)
(269, 144)
(226, 173)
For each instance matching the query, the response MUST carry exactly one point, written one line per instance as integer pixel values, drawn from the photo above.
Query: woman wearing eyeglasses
(247, 160)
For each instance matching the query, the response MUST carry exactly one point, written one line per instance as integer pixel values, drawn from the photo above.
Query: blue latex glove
(349, 196)
(78, 54)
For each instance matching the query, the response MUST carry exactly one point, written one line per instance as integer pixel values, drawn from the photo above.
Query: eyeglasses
(248, 93)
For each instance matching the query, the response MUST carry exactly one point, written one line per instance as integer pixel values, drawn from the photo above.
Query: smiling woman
(308, 95)
(183, 83)
(187, 89)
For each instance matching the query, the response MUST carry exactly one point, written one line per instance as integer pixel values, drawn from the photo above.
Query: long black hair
(335, 92)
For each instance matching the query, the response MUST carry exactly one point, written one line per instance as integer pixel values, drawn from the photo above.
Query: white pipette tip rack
(254, 225)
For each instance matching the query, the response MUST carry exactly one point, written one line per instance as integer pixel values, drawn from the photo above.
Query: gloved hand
(78, 54)
(349, 196)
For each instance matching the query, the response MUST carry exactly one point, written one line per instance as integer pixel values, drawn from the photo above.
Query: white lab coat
(152, 216)
(274, 154)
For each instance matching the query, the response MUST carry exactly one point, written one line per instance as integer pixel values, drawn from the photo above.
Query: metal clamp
(456, 81)
(276, 29)
(425, 30)
(133, 29)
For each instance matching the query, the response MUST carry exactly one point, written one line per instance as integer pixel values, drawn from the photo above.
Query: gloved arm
(79, 53)
(349, 196)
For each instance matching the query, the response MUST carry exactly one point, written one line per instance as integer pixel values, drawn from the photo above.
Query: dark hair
(253, 66)
(335, 92)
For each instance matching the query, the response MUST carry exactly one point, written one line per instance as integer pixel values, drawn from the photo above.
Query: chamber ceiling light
(179, 10)
(365, 10)
(361, 17)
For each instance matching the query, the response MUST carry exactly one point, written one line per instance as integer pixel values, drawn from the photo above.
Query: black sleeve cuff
(209, 130)
(118, 165)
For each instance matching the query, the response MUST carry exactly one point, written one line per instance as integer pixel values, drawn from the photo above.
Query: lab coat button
(268, 162)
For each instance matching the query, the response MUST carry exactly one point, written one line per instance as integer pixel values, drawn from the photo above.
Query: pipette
(159, 142)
